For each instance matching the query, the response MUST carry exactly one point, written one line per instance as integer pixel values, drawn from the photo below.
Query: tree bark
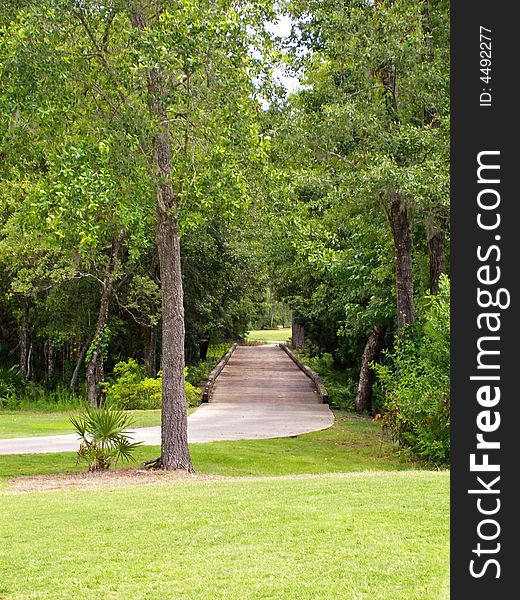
(403, 261)
(298, 334)
(204, 347)
(437, 258)
(174, 425)
(29, 361)
(75, 375)
(23, 339)
(150, 359)
(366, 376)
(95, 367)
(49, 361)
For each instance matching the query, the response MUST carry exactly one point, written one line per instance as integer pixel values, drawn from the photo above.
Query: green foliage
(104, 437)
(339, 383)
(17, 394)
(417, 383)
(10, 381)
(198, 373)
(130, 389)
(193, 394)
(77, 146)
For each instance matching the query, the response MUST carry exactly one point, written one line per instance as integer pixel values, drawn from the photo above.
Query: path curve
(260, 394)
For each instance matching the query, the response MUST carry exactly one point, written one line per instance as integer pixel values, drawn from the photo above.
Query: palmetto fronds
(104, 437)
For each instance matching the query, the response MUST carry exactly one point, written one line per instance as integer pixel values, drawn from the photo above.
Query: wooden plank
(264, 375)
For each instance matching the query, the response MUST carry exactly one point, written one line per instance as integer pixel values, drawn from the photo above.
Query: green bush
(339, 384)
(199, 373)
(132, 390)
(417, 383)
(104, 438)
(193, 394)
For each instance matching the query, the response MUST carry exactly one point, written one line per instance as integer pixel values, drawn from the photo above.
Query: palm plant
(104, 438)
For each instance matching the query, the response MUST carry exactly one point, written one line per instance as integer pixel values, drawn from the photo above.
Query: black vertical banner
(485, 507)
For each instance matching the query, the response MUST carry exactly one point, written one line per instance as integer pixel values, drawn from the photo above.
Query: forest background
(152, 164)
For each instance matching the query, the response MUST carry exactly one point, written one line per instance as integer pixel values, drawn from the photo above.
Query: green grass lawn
(353, 443)
(27, 424)
(270, 335)
(377, 537)
(382, 535)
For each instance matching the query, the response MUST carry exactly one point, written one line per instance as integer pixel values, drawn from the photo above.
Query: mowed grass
(270, 335)
(374, 537)
(353, 443)
(28, 424)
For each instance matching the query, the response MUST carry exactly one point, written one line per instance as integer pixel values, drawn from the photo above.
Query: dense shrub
(104, 437)
(130, 389)
(417, 383)
(10, 383)
(199, 373)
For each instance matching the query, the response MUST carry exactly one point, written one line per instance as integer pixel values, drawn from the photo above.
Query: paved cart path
(260, 394)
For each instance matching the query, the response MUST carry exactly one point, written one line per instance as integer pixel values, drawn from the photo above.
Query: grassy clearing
(353, 444)
(28, 424)
(377, 537)
(270, 335)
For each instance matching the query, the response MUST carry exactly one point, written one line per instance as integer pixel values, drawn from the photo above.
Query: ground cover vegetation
(354, 443)
(333, 537)
(161, 194)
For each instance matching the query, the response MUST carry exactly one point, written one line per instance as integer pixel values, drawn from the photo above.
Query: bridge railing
(322, 391)
(206, 394)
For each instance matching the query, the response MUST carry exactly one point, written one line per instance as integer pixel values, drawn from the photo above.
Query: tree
(366, 140)
(170, 88)
(384, 70)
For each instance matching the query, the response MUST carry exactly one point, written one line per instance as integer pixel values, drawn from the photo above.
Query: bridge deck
(263, 374)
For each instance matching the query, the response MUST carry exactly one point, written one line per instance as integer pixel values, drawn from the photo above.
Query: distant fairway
(270, 335)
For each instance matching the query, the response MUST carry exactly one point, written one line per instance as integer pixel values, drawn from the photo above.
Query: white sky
(282, 29)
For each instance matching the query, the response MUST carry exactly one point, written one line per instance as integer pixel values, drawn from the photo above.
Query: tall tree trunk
(75, 375)
(437, 258)
(49, 361)
(403, 261)
(435, 229)
(174, 426)
(430, 113)
(23, 339)
(298, 334)
(29, 361)
(95, 367)
(174, 431)
(203, 352)
(150, 358)
(366, 375)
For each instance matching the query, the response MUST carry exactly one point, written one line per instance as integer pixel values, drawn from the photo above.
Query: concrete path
(260, 394)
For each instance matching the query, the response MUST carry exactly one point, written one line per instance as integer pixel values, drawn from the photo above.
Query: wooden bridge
(257, 392)
(264, 374)
(261, 392)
